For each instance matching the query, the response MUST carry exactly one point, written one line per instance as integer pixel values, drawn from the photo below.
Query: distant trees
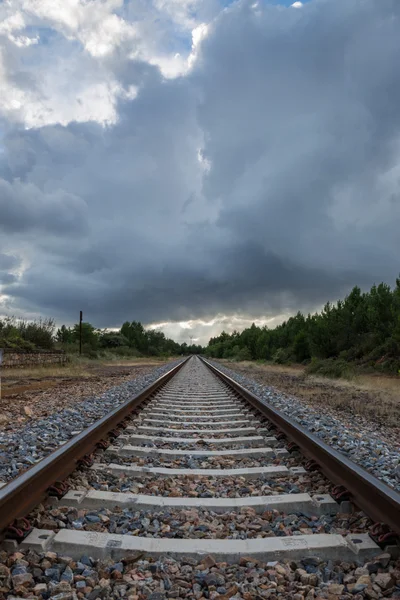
(148, 341)
(113, 340)
(131, 340)
(364, 329)
(64, 335)
(68, 337)
(135, 333)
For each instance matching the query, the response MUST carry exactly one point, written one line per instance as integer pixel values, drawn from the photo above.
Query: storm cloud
(249, 166)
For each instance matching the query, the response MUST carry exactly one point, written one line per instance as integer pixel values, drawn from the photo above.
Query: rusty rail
(25, 492)
(380, 502)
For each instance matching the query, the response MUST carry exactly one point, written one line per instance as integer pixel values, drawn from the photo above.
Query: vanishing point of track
(195, 423)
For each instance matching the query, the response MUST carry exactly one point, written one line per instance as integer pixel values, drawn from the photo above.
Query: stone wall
(32, 359)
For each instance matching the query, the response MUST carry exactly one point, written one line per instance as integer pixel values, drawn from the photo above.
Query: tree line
(361, 330)
(132, 339)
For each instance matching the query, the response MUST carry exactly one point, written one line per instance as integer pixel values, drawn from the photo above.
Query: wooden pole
(80, 332)
(1, 362)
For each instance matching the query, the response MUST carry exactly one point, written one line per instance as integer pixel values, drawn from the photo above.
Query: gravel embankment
(137, 577)
(357, 442)
(25, 446)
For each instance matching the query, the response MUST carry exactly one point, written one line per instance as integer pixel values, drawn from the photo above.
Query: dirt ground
(34, 393)
(375, 398)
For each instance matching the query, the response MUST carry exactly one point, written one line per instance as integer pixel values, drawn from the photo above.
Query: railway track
(202, 472)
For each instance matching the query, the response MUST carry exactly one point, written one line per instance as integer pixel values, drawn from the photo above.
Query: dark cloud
(7, 278)
(23, 207)
(8, 261)
(264, 181)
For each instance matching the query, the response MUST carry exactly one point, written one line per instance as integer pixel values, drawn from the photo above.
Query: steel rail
(22, 494)
(380, 502)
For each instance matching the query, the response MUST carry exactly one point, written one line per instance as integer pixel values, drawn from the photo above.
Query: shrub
(243, 354)
(26, 335)
(113, 340)
(282, 356)
(388, 365)
(331, 367)
(126, 351)
(39, 333)
(17, 343)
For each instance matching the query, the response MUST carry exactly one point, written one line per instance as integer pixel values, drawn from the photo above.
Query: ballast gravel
(138, 577)
(357, 442)
(196, 523)
(200, 486)
(191, 462)
(198, 425)
(197, 438)
(25, 446)
(198, 445)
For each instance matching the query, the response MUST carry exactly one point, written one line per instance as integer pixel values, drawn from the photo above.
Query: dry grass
(18, 382)
(373, 397)
(33, 393)
(67, 371)
(154, 361)
(78, 368)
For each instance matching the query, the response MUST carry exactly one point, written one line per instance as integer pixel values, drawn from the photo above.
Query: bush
(388, 365)
(282, 356)
(39, 333)
(17, 343)
(113, 340)
(334, 368)
(26, 335)
(126, 351)
(243, 354)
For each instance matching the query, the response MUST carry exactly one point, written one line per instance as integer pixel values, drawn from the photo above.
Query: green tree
(301, 347)
(65, 335)
(363, 327)
(90, 335)
(113, 339)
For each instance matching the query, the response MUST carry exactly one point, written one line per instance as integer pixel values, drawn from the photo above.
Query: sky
(196, 164)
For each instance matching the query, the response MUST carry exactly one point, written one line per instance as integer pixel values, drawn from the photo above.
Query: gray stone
(67, 575)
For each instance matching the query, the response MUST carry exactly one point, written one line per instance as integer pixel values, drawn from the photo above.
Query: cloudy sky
(196, 163)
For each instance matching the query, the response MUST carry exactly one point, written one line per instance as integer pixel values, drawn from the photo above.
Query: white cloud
(198, 34)
(86, 41)
(202, 330)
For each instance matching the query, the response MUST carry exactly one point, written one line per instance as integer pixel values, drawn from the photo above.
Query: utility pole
(80, 331)
(1, 361)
